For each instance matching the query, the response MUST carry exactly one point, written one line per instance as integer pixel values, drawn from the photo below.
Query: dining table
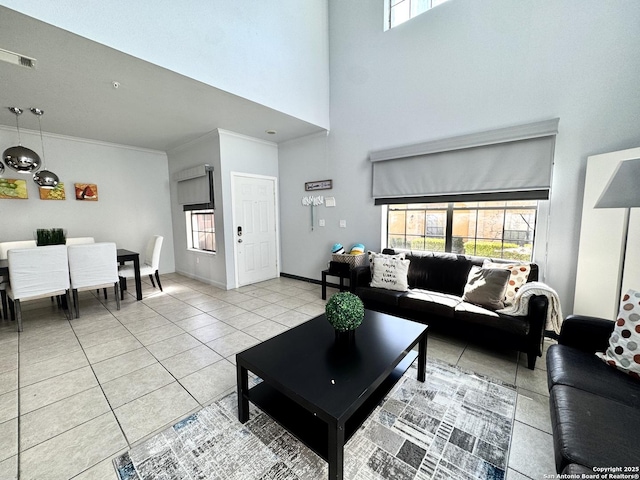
(129, 256)
(123, 256)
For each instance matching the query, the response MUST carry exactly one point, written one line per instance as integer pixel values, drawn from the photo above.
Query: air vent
(17, 59)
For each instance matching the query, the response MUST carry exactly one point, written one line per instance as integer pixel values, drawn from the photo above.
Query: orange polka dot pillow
(518, 277)
(624, 343)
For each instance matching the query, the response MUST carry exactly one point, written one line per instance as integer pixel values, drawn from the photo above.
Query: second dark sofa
(436, 286)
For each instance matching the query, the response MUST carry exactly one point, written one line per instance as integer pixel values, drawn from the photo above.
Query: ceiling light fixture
(19, 158)
(271, 132)
(44, 178)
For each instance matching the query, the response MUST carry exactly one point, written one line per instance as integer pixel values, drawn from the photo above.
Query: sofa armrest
(590, 334)
(360, 277)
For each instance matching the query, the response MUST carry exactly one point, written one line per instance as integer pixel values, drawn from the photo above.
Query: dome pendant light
(44, 178)
(19, 158)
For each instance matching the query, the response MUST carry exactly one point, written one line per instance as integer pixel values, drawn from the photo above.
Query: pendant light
(44, 178)
(19, 158)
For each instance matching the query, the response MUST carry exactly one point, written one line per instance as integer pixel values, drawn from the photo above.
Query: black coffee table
(321, 392)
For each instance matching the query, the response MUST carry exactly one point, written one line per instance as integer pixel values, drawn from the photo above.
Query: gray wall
(466, 66)
(133, 194)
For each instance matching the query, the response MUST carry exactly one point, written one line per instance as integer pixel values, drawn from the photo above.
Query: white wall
(228, 152)
(133, 194)
(463, 67)
(274, 52)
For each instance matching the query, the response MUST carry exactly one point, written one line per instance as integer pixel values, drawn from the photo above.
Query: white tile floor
(75, 394)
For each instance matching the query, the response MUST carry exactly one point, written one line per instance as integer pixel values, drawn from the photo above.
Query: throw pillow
(624, 343)
(390, 273)
(486, 287)
(519, 275)
(374, 255)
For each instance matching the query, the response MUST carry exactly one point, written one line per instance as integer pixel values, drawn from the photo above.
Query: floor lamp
(622, 191)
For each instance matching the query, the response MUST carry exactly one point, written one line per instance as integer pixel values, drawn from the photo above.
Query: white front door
(255, 234)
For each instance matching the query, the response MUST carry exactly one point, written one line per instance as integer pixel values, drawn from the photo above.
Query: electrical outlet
(197, 259)
(343, 224)
(321, 222)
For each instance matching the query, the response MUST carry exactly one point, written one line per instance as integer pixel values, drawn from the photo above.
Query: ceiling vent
(17, 59)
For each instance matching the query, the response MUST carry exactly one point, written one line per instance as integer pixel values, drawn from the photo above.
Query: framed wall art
(14, 189)
(86, 191)
(56, 193)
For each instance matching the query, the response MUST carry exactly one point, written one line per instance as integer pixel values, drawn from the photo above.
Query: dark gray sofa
(595, 408)
(436, 285)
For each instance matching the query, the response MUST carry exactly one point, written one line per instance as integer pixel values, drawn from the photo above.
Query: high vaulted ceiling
(152, 108)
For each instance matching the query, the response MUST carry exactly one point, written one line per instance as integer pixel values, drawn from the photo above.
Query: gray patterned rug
(456, 425)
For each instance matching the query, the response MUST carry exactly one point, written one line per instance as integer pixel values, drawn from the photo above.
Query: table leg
(422, 358)
(243, 390)
(5, 312)
(324, 285)
(136, 267)
(336, 452)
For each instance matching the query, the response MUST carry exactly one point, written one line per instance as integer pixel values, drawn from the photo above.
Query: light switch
(343, 224)
(321, 222)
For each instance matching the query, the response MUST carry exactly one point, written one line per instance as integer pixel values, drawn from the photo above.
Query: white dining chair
(4, 281)
(148, 267)
(37, 273)
(79, 240)
(93, 266)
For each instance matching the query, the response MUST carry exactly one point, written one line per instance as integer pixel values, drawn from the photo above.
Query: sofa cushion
(482, 316)
(591, 430)
(426, 301)
(575, 368)
(374, 255)
(379, 296)
(445, 273)
(519, 273)
(486, 287)
(624, 342)
(390, 273)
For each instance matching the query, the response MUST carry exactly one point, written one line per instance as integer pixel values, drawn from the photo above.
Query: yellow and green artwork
(56, 193)
(11, 188)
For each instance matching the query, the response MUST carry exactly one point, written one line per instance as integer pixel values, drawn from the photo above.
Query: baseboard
(302, 279)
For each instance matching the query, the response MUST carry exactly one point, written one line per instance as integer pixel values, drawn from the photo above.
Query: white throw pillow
(390, 273)
(624, 343)
(374, 255)
(519, 276)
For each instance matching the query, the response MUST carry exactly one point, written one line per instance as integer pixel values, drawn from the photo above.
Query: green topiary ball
(344, 311)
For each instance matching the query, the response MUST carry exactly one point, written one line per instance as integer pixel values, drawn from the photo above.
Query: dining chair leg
(69, 311)
(76, 302)
(152, 282)
(115, 289)
(105, 293)
(158, 280)
(18, 313)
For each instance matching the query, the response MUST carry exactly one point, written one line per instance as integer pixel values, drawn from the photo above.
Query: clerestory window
(399, 11)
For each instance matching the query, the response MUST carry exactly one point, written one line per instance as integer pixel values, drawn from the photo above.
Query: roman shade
(195, 187)
(513, 163)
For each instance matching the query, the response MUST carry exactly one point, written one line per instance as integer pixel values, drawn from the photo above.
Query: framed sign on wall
(318, 185)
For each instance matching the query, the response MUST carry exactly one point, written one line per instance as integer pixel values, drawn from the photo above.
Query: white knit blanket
(520, 304)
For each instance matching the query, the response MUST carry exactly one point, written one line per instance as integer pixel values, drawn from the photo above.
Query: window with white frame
(495, 229)
(399, 11)
(201, 230)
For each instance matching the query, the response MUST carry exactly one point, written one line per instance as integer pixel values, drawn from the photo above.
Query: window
(399, 11)
(201, 230)
(496, 229)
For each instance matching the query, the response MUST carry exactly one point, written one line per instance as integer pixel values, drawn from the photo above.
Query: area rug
(455, 425)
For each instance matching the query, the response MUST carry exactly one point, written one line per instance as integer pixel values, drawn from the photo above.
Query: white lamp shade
(623, 189)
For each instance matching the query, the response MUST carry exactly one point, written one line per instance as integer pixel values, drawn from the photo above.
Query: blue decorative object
(337, 249)
(357, 249)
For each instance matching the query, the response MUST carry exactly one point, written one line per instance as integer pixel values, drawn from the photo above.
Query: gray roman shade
(195, 187)
(513, 163)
